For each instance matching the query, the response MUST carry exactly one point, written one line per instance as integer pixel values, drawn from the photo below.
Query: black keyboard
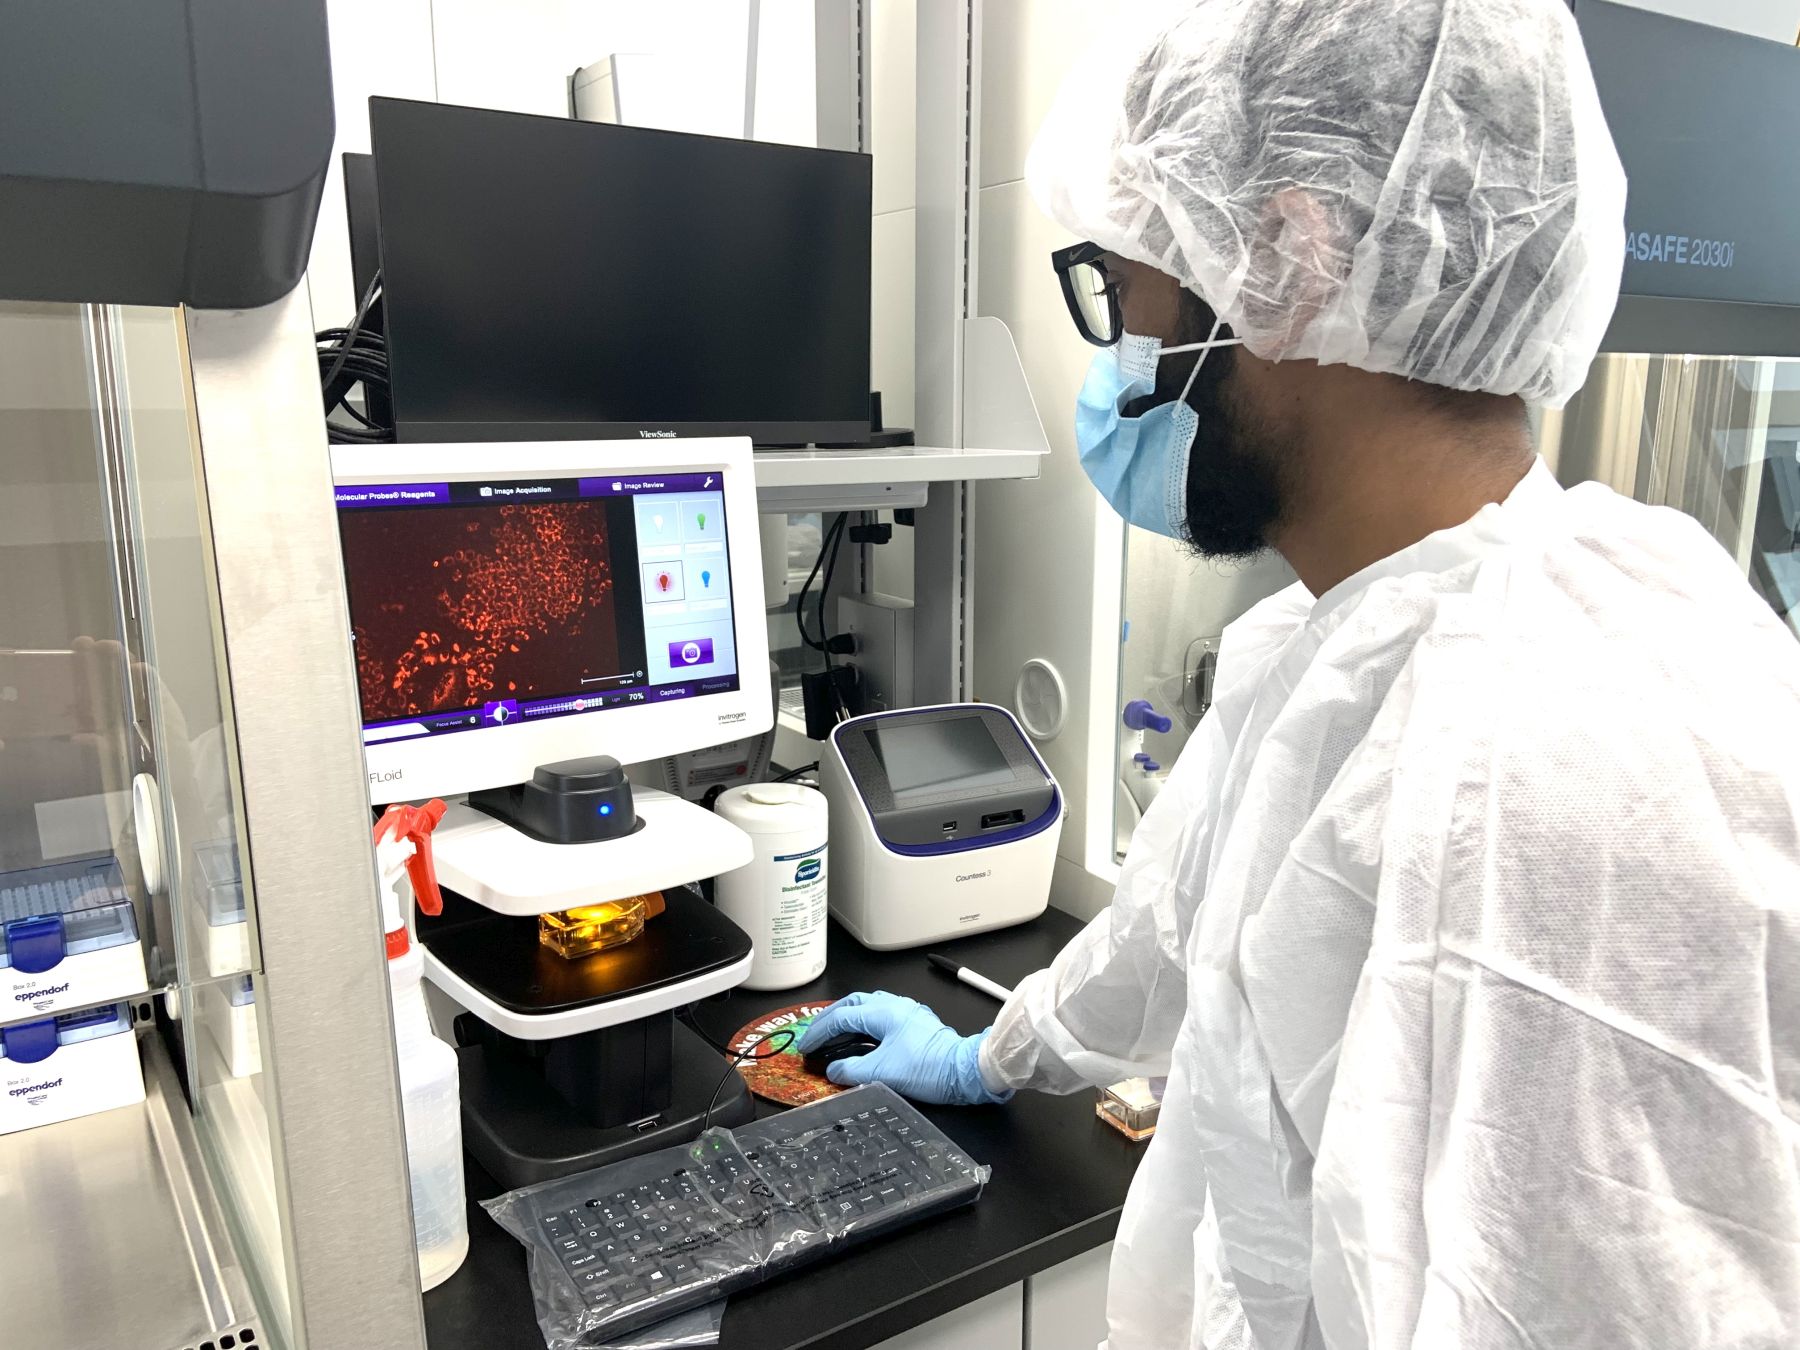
(639, 1241)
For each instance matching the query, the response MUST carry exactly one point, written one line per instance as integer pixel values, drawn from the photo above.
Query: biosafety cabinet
(200, 1136)
(200, 1131)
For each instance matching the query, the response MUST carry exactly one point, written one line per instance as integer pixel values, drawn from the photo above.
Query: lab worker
(1467, 929)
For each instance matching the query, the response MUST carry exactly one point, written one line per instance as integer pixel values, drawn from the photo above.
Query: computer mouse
(844, 1046)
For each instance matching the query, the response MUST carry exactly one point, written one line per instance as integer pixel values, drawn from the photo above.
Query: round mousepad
(781, 1077)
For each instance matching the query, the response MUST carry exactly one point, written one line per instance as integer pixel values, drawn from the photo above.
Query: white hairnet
(1420, 187)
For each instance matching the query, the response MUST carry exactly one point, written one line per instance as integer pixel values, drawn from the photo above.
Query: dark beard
(1237, 472)
(1236, 485)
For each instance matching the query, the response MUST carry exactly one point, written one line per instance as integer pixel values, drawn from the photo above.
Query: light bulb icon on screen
(662, 581)
(657, 521)
(700, 516)
(706, 580)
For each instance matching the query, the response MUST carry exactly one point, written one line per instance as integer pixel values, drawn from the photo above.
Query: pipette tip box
(73, 1064)
(228, 1012)
(227, 931)
(68, 939)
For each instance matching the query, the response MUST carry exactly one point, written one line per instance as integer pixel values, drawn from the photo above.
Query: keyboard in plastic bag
(635, 1242)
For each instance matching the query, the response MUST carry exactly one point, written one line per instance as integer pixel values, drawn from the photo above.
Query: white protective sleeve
(1109, 1006)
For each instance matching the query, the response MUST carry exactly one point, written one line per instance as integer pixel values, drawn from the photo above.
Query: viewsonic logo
(656, 435)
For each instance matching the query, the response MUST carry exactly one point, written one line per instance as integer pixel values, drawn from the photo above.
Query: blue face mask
(1139, 464)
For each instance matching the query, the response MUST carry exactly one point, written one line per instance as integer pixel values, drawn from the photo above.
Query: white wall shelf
(812, 480)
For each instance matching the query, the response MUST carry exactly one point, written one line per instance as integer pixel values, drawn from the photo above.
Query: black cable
(765, 1049)
(831, 683)
(812, 576)
(792, 774)
(356, 355)
(837, 543)
(362, 313)
(685, 1016)
(827, 540)
(356, 416)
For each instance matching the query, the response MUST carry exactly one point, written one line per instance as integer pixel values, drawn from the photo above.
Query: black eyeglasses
(1093, 297)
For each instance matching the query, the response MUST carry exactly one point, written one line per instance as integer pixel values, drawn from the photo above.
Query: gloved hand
(919, 1057)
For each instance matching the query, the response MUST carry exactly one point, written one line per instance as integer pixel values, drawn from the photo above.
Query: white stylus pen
(969, 977)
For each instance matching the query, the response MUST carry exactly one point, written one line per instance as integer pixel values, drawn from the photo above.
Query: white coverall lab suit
(1467, 933)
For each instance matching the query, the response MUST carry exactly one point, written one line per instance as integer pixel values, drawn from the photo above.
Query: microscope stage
(494, 966)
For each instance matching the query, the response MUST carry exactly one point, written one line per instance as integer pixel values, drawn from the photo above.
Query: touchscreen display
(477, 603)
(923, 759)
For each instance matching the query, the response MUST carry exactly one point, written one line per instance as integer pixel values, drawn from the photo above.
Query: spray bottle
(428, 1083)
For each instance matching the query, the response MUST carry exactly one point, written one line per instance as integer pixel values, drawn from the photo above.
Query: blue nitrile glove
(919, 1057)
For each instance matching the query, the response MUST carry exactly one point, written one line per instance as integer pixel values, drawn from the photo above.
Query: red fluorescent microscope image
(455, 606)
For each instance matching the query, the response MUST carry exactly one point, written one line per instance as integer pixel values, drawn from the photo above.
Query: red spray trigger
(415, 824)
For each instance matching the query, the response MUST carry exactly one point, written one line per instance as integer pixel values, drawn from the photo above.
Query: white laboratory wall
(1777, 20)
(518, 56)
(515, 56)
(377, 47)
(1047, 557)
(786, 106)
(890, 63)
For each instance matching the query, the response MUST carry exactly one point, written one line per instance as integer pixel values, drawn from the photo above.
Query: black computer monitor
(362, 214)
(546, 278)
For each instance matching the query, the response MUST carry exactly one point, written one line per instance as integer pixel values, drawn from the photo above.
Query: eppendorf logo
(656, 435)
(49, 992)
(35, 1091)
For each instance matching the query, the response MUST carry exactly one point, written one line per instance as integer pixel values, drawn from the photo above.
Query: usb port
(995, 819)
(949, 827)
